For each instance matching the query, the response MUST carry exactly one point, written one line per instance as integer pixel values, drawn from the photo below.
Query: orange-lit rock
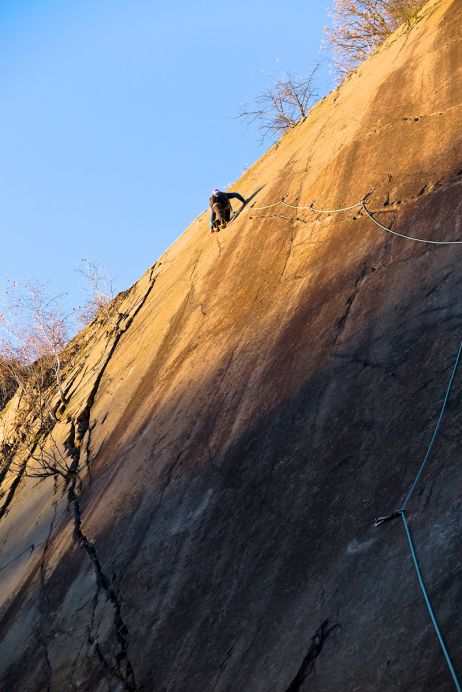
(271, 391)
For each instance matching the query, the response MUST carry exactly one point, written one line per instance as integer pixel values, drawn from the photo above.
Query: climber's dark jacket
(222, 200)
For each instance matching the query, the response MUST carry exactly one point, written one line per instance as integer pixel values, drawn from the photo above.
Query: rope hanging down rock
(402, 513)
(362, 205)
(409, 237)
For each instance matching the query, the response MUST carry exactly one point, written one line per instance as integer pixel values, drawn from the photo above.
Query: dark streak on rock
(83, 420)
(367, 363)
(351, 298)
(122, 668)
(47, 662)
(13, 488)
(7, 451)
(315, 648)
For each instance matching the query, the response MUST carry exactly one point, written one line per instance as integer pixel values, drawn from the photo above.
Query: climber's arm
(235, 195)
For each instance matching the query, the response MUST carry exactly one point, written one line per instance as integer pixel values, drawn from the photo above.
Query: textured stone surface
(272, 390)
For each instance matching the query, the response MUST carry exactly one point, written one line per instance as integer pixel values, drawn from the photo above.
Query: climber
(220, 208)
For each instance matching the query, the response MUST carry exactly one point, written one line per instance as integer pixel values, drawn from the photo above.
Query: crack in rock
(13, 487)
(341, 322)
(121, 669)
(47, 663)
(314, 650)
(7, 451)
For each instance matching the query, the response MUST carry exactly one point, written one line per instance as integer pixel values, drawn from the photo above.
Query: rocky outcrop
(268, 391)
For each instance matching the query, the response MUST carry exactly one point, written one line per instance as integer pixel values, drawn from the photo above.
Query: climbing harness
(402, 513)
(361, 204)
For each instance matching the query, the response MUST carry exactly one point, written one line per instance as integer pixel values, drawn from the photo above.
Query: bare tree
(361, 26)
(283, 105)
(33, 441)
(100, 293)
(33, 337)
(28, 446)
(33, 333)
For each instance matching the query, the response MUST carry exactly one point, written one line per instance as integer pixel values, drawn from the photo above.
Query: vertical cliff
(266, 393)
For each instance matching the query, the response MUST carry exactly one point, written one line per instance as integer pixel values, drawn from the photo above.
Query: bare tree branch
(361, 26)
(33, 333)
(100, 291)
(283, 105)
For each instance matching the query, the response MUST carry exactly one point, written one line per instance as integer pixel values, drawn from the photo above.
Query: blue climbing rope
(402, 513)
(429, 605)
(437, 428)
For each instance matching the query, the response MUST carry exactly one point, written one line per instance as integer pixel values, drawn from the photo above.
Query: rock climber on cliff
(220, 208)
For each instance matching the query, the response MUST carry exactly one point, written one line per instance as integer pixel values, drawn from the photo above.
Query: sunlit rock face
(267, 392)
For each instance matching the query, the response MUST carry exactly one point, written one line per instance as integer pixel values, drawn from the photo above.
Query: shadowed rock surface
(268, 392)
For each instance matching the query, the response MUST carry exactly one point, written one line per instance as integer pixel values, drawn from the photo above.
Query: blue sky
(117, 120)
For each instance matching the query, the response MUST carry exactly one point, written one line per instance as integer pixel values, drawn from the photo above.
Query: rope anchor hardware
(389, 517)
(402, 513)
